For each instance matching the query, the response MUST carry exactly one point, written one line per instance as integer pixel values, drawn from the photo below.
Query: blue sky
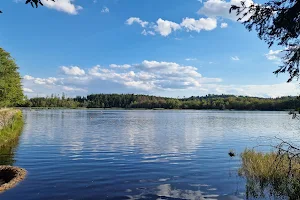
(160, 47)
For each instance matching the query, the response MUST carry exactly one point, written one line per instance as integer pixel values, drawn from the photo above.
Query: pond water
(118, 154)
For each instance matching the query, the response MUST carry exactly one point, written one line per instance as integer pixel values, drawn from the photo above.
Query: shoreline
(12, 122)
(157, 109)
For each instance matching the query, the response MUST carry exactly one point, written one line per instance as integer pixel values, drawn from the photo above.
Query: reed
(270, 174)
(12, 128)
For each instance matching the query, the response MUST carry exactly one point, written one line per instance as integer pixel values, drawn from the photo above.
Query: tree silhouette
(34, 3)
(276, 21)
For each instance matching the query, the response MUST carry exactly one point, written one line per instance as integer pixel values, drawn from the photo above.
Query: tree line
(221, 102)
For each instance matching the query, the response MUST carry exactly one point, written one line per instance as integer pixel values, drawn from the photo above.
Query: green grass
(267, 174)
(12, 131)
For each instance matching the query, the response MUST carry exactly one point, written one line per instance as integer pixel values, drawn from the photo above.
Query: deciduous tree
(11, 93)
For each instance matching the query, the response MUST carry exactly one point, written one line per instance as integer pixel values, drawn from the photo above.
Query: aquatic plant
(270, 174)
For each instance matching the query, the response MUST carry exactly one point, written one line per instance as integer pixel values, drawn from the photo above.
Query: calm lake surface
(94, 154)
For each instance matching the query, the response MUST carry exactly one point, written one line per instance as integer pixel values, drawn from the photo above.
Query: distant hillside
(221, 102)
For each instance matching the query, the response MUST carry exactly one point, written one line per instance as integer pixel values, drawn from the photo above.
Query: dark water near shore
(93, 154)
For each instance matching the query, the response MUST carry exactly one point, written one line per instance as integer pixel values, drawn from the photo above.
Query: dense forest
(220, 102)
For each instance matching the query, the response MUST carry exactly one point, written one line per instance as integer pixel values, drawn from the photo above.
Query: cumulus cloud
(125, 66)
(212, 9)
(168, 68)
(151, 75)
(191, 24)
(105, 9)
(132, 20)
(73, 89)
(27, 90)
(144, 32)
(235, 58)
(145, 76)
(27, 77)
(270, 90)
(224, 25)
(67, 6)
(220, 8)
(148, 77)
(72, 70)
(50, 85)
(275, 55)
(165, 27)
(42, 81)
(46, 81)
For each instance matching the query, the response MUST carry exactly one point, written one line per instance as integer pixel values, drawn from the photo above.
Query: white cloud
(168, 68)
(105, 9)
(165, 27)
(224, 25)
(153, 75)
(42, 81)
(235, 58)
(191, 59)
(271, 90)
(275, 55)
(220, 8)
(67, 6)
(51, 85)
(73, 89)
(126, 66)
(27, 77)
(132, 20)
(148, 77)
(192, 24)
(27, 90)
(72, 70)
(144, 32)
(45, 81)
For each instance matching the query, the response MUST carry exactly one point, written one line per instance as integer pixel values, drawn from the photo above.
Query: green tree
(276, 21)
(11, 93)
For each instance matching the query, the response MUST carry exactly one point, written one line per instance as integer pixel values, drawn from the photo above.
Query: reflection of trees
(7, 152)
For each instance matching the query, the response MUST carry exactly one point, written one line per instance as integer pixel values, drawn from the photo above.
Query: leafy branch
(276, 21)
(34, 3)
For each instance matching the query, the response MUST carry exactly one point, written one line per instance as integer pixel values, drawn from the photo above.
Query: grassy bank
(270, 175)
(12, 128)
